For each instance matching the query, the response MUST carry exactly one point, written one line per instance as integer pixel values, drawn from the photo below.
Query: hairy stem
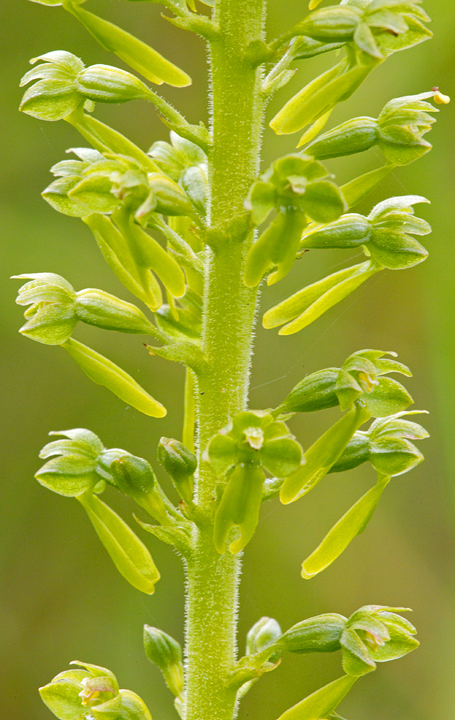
(228, 318)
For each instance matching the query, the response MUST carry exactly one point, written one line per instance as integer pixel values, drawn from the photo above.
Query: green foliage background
(60, 597)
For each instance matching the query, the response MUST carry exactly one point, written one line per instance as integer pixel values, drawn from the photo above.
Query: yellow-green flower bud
(265, 632)
(165, 652)
(351, 137)
(132, 475)
(106, 311)
(316, 634)
(180, 464)
(104, 83)
(331, 24)
(315, 392)
(165, 197)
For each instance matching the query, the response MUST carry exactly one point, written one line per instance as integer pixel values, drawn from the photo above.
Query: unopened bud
(165, 197)
(331, 24)
(314, 392)
(351, 137)
(104, 83)
(166, 653)
(180, 464)
(355, 453)
(350, 231)
(263, 634)
(317, 634)
(132, 475)
(106, 311)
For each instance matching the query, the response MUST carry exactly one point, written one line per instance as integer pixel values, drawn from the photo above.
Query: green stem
(188, 414)
(228, 318)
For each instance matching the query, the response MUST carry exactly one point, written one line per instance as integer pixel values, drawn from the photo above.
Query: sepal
(126, 705)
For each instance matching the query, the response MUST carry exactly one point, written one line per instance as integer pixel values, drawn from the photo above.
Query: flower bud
(351, 137)
(195, 184)
(166, 653)
(104, 310)
(180, 464)
(331, 24)
(165, 197)
(185, 163)
(315, 392)
(349, 231)
(317, 634)
(355, 453)
(104, 83)
(264, 633)
(132, 475)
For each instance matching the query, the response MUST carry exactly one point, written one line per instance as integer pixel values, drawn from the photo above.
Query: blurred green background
(60, 597)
